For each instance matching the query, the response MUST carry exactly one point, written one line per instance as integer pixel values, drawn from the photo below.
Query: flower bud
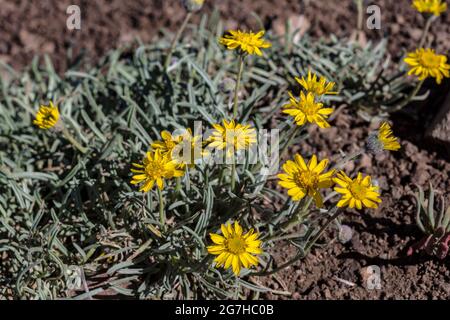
(192, 5)
(373, 144)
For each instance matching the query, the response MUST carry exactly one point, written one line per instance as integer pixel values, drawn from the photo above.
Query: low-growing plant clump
(156, 174)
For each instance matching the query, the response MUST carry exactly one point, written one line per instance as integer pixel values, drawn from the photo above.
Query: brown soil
(379, 237)
(30, 27)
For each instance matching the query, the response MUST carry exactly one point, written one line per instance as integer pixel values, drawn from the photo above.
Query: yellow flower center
(234, 137)
(238, 137)
(309, 109)
(247, 39)
(430, 60)
(48, 117)
(306, 179)
(315, 87)
(170, 144)
(154, 169)
(236, 245)
(358, 191)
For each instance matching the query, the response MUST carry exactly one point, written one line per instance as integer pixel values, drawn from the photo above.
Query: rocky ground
(379, 237)
(31, 27)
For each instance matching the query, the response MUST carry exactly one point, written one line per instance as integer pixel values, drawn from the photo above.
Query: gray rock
(439, 130)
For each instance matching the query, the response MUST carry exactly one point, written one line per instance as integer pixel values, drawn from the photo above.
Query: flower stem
(73, 141)
(233, 175)
(238, 84)
(308, 247)
(348, 158)
(175, 40)
(162, 216)
(425, 31)
(221, 174)
(360, 7)
(408, 99)
(289, 142)
(298, 216)
(178, 186)
(322, 230)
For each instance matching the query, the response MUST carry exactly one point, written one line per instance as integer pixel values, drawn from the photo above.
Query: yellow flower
(386, 137)
(234, 248)
(189, 149)
(381, 140)
(167, 144)
(356, 192)
(307, 110)
(248, 42)
(232, 137)
(184, 148)
(303, 179)
(426, 63)
(154, 169)
(435, 7)
(47, 116)
(316, 86)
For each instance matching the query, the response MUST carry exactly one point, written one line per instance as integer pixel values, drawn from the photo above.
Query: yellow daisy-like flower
(167, 144)
(248, 42)
(232, 137)
(307, 110)
(184, 148)
(234, 248)
(381, 140)
(47, 116)
(316, 86)
(356, 192)
(426, 63)
(303, 179)
(435, 7)
(387, 138)
(155, 168)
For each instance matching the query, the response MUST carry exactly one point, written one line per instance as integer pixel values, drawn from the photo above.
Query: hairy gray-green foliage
(60, 208)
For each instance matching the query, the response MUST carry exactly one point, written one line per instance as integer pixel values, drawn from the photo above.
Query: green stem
(221, 174)
(308, 247)
(288, 143)
(425, 31)
(297, 257)
(238, 84)
(73, 141)
(408, 99)
(322, 230)
(348, 158)
(175, 40)
(233, 175)
(281, 237)
(360, 7)
(298, 216)
(178, 186)
(162, 215)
